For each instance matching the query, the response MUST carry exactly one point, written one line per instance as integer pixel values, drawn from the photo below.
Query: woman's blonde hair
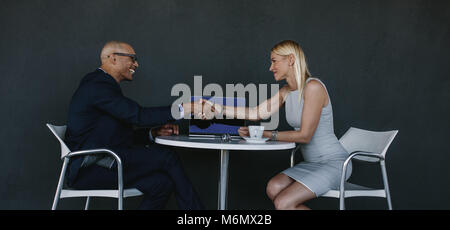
(287, 47)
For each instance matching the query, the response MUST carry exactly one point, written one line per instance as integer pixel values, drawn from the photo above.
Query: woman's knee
(276, 185)
(273, 188)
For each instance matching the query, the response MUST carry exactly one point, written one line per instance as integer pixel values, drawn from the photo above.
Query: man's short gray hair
(109, 48)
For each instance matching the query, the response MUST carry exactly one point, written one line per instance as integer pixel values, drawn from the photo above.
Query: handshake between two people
(201, 109)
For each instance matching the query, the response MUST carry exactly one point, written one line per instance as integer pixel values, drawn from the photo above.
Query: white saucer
(253, 140)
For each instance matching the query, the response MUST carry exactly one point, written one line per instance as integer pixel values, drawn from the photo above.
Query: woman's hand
(243, 132)
(217, 109)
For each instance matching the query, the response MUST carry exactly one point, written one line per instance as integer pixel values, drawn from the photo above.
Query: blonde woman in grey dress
(309, 112)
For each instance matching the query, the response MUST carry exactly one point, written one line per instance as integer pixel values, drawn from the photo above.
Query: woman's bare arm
(315, 98)
(262, 111)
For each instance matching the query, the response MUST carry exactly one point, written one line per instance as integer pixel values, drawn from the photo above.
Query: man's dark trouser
(154, 170)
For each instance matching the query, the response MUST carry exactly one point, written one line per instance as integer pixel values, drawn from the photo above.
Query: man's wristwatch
(274, 135)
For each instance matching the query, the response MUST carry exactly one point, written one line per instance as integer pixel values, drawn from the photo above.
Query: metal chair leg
(86, 207)
(342, 183)
(60, 184)
(120, 203)
(386, 185)
(341, 203)
(55, 201)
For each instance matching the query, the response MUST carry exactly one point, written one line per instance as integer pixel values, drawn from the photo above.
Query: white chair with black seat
(367, 146)
(63, 192)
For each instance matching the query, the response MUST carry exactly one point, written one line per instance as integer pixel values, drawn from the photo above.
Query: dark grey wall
(385, 63)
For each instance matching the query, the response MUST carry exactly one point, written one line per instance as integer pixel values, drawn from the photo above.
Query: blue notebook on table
(217, 127)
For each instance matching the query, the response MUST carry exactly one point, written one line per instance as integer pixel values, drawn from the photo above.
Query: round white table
(224, 147)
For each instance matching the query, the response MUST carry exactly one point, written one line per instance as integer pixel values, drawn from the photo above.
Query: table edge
(186, 144)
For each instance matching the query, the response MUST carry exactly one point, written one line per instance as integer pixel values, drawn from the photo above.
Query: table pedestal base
(223, 182)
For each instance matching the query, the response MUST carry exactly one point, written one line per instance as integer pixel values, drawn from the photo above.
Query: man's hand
(166, 130)
(194, 107)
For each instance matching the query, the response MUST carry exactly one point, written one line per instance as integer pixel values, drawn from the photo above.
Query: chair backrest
(364, 140)
(59, 132)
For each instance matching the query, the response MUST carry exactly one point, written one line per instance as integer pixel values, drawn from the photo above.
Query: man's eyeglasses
(132, 56)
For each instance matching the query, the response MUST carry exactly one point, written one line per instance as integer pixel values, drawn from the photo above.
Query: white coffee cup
(256, 132)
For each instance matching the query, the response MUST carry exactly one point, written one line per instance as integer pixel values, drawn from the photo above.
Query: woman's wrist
(267, 134)
(274, 135)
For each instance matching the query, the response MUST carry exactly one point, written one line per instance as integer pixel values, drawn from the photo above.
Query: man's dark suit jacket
(100, 116)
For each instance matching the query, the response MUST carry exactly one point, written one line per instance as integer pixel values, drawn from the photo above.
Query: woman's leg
(277, 184)
(293, 197)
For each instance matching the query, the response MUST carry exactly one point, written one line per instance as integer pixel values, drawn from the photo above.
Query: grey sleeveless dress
(323, 155)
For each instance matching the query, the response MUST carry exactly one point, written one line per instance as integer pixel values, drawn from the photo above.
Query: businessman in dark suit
(100, 116)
